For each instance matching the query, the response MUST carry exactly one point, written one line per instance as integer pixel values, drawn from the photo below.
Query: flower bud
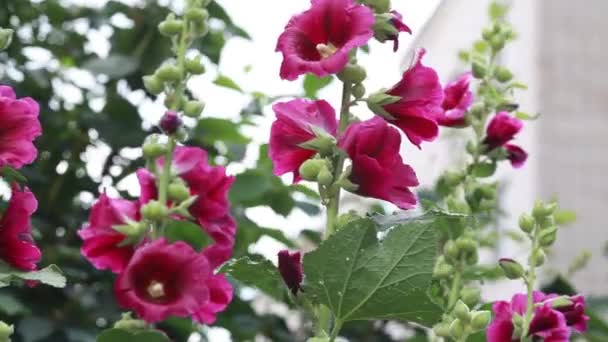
(450, 250)
(379, 6)
(470, 295)
(526, 223)
(503, 74)
(547, 236)
(358, 91)
(6, 331)
(461, 311)
(178, 191)
(169, 73)
(325, 177)
(153, 150)
(546, 222)
(153, 84)
(518, 320)
(511, 268)
(6, 37)
(497, 42)
(466, 245)
(194, 109)
(539, 257)
(480, 320)
(127, 322)
(453, 178)
(197, 15)
(479, 69)
(195, 66)
(541, 209)
(442, 269)
(309, 170)
(154, 211)
(487, 34)
(457, 329)
(442, 330)
(131, 229)
(472, 258)
(171, 27)
(352, 73)
(200, 28)
(170, 122)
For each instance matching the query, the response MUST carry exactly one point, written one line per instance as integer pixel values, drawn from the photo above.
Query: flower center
(156, 289)
(326, 51)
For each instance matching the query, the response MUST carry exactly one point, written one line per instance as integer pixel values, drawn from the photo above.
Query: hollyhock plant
(319, 40)
(420, 97)
(377, 168)
(163, 280)
(501, 130)
(298, 121)
(211, 208)
(102, 243)
(290, 267)
(17, 248)
(19, 126)
(457, 100)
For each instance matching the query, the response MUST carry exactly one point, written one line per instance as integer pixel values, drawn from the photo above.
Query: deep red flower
(319, 40)
(290, 267)
(421, 96)
(516, 155)
(400, 26)
(220, 295)
(163, 280)
(102, 243)
(19, 126)
(377, 168)
(293, 127)
(17, 248)
(502, 129)
(211, 209)
(457, 100)
(575, 313)
(547, 323)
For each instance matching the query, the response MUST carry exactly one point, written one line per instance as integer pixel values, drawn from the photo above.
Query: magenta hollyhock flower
(377, 168)
(102, 243)
(516, 155)
(547, 323)
(502, 129)
(220, 295)
(400, 26)
(319, 40)
(575, 313)
(421, 96)
(457, 100)
(163, 280)
(290, 267)
(19, 126)
(211, 209)
(294, 126)
(17, 248)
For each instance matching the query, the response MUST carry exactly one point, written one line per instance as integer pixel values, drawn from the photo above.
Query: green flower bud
(442, 269)
(450, 250)
(442, 330)
(472, 258)
(309, 170)
(358, 91)
(466, 245)
(453, 178)
(480, 320)
(197, 15)
(547, 221)
(6, 37)
(379, 6)
(511, 268)
(127, 322)
(526, 223)
(470, 296)
(518, 320)
(169, 73)
(171, 27)
(539, 257)
(195, 66)
(154, 211)
(457, 329)
(194, 109)
(131, 229)
(503, 74)
(153, 84)
(479, 69)
(6, 331)
(547, 236)
(153, 150)
(497, 42)
(541, 209)
(178, 191)
(461, 311)
(487, 191)
(487, 34)
(352, 73)
(325, 177)
(200, 28)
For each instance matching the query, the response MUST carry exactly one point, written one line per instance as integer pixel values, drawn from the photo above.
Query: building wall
(572, 140)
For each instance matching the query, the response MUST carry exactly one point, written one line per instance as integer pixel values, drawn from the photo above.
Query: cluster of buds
(462, 322)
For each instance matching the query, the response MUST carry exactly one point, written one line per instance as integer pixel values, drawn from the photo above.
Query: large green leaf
(360, 277)
(255, 271)
(188, 232)
(51, 275)
(312, 84)
(121, 335)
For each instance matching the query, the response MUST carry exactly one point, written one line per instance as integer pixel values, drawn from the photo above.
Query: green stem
(455, 290)
(530, 280)
(163, 183)
(335, 331)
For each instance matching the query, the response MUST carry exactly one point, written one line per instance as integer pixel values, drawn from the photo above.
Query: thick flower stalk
(159, 275)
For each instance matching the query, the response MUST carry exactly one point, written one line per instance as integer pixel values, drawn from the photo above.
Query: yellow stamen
(326, 50)
(156, 289)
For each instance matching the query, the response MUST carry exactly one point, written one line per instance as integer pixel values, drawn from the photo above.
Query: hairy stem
(530, 280)
(455, 290)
